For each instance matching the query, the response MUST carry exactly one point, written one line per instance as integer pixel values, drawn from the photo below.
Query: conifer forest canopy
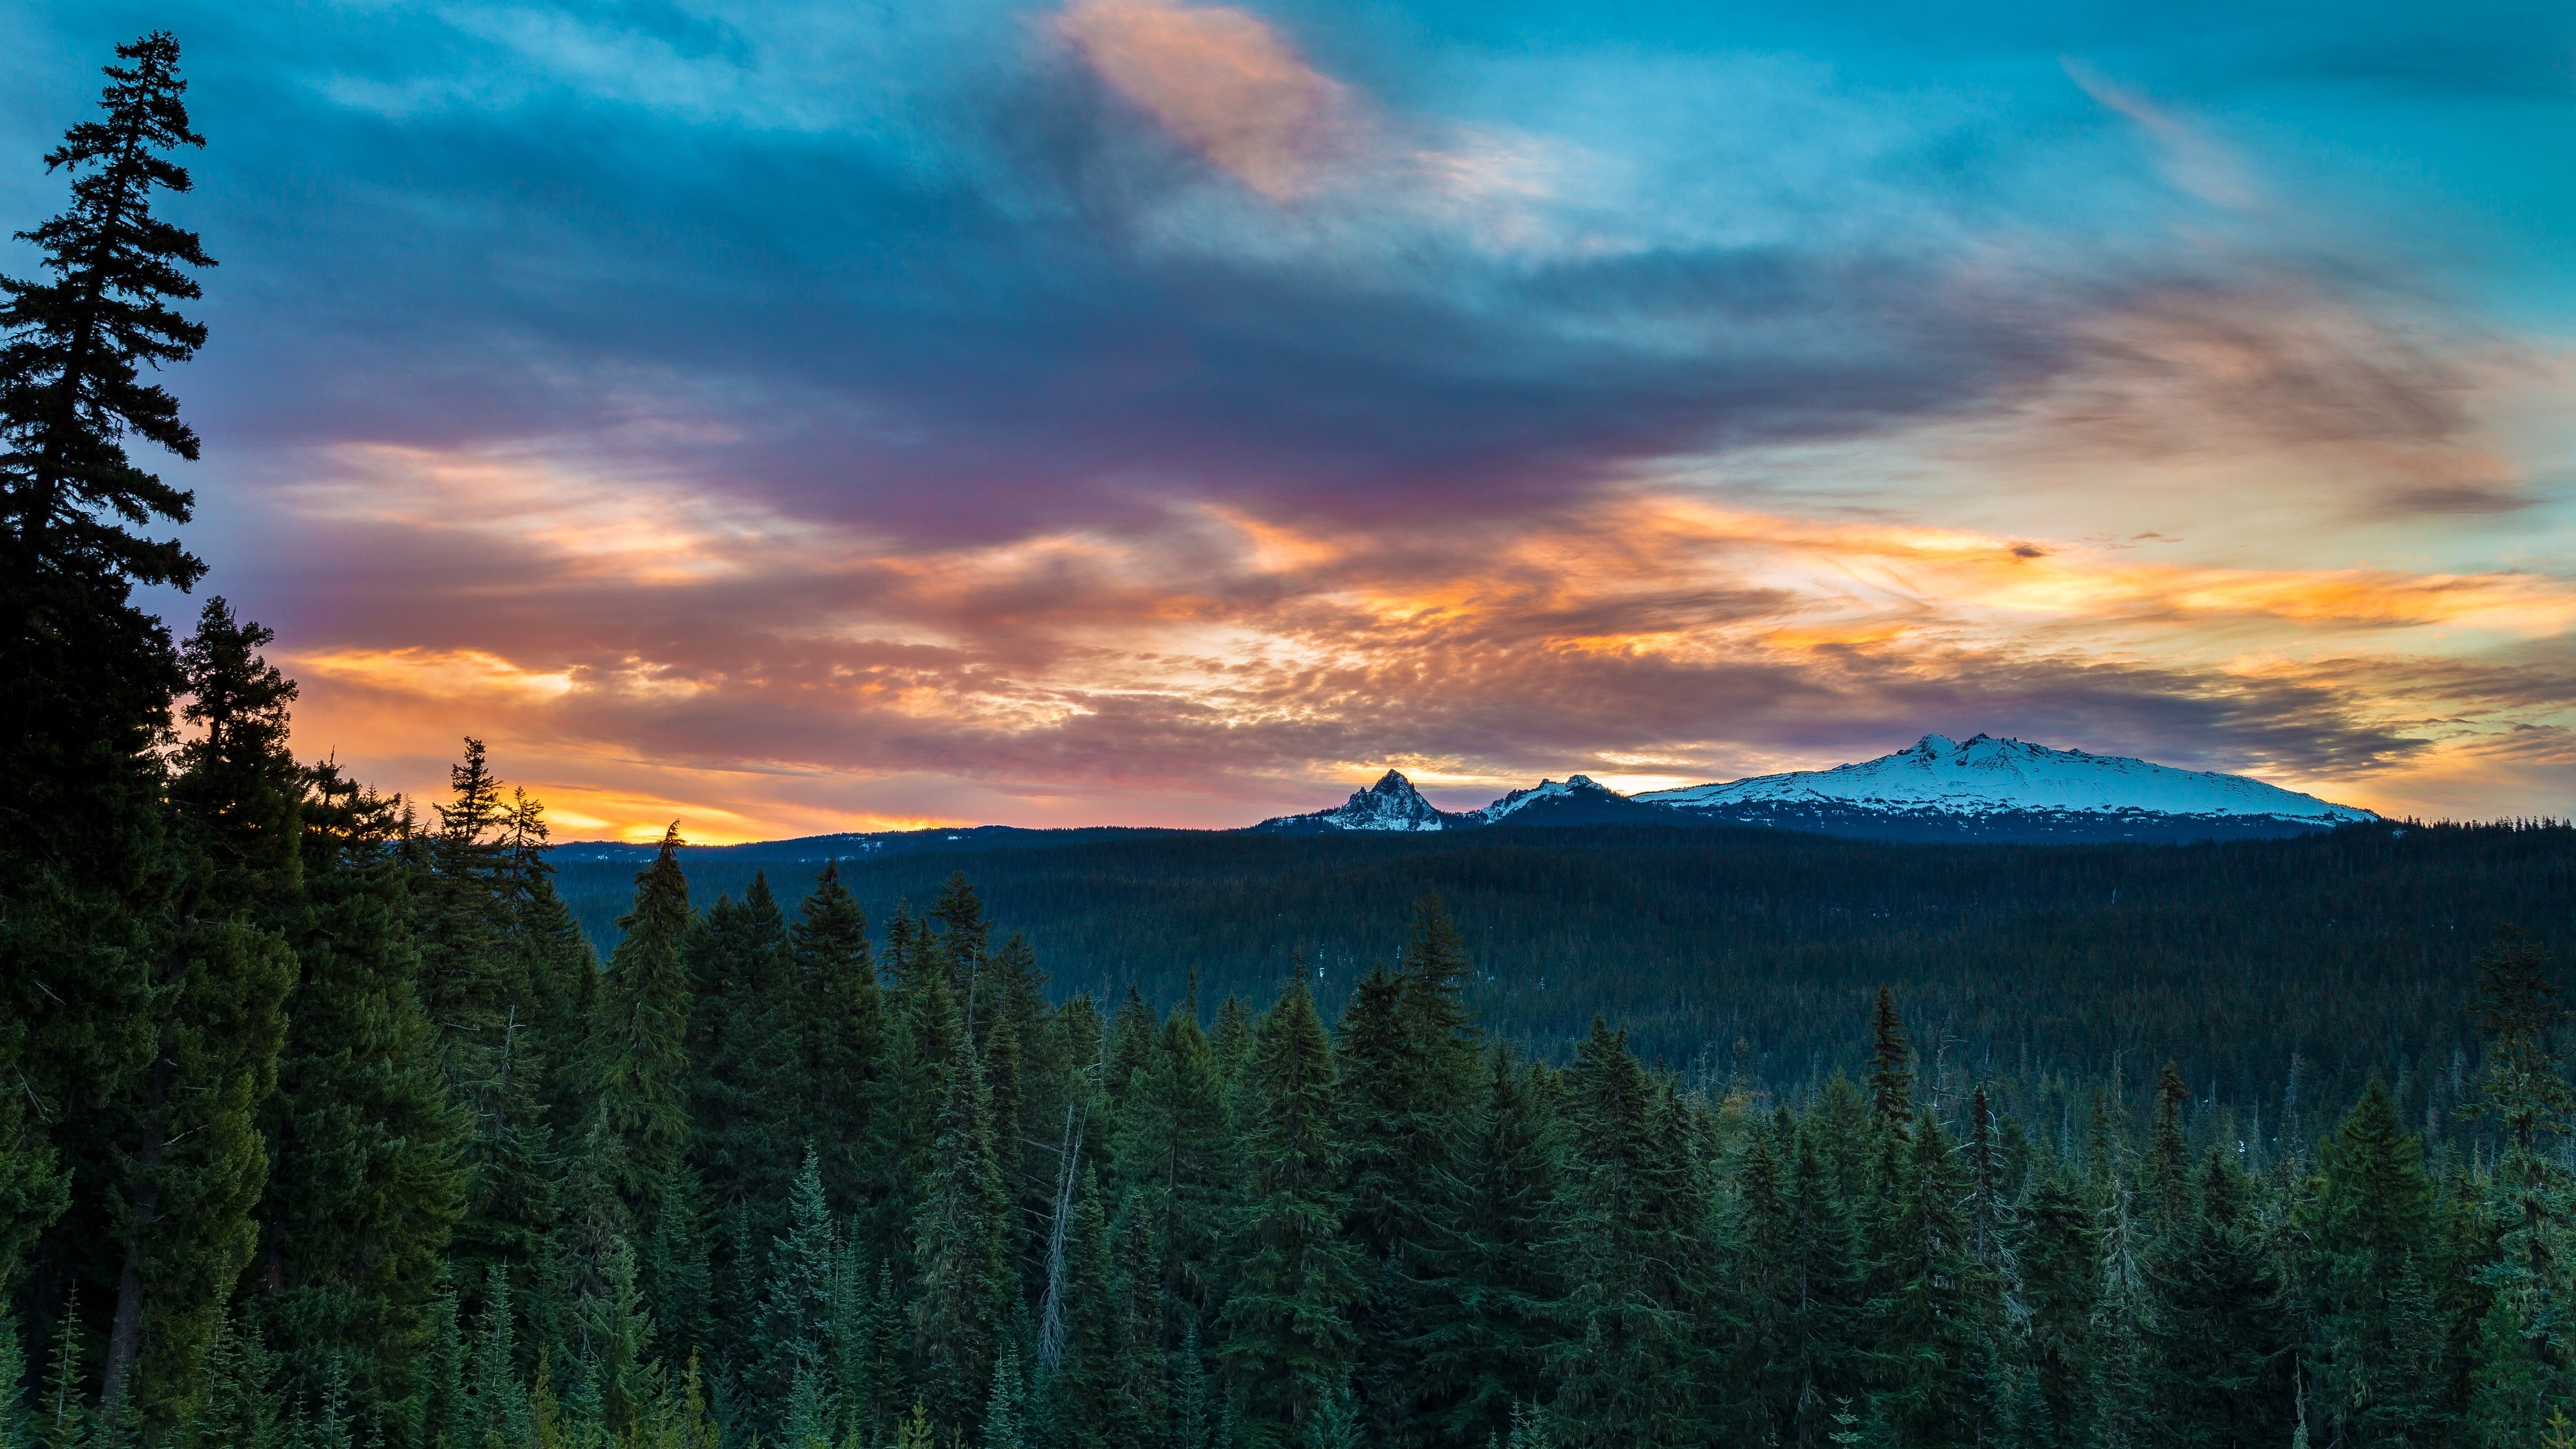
(335, 1118)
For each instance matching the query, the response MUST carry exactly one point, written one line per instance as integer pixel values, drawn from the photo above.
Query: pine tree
(367, 1185)
(2120, 1374)
(841, 1016)
(1489, 1319)
(62, 1418)
(1928, 1328)
(17, 1428)
(2526, 1096)
(90, 675)
(1287, 1341)
(962, 1299)
(1628, 1368)
(197, 1165)
(1004, 1406)
(793, 1344)
(2370, 1233)
(1891, 1057)
(640, 1059)
(1085, 1404)
(2164, 1176)
(1177, 1150)
(495, 1403)
(1410, 1069)
(2218, 1335)
(2061, 1287)
(493, 1046)
(243, 1398)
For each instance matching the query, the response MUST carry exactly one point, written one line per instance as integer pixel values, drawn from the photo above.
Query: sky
(792, 417)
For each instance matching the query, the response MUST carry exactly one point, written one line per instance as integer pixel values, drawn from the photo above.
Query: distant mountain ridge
(1937, 788)
(1982, 788)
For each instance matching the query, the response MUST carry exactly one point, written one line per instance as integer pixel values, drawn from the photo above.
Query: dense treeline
(2346, 952)
(325, 1125)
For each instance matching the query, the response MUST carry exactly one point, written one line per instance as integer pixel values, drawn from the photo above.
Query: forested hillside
(2348, 951)
(326, 1126)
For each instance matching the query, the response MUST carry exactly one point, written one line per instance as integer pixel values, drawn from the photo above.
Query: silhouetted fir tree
(1030, 1123)
(639, 1054)
(367, 1184)
(1761, 1283)
(1285, 1336)
(90, 674)
(748, 1108)
(1489, 1323)
(2218, 1334)
(962, 1291)
(1403, 1104)
(555, 966)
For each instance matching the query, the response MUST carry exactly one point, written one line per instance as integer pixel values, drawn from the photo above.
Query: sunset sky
(792, 418)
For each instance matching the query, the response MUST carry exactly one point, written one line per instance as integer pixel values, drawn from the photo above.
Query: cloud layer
(791, 418)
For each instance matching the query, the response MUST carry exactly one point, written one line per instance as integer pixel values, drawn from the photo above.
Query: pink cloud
(1221, 82)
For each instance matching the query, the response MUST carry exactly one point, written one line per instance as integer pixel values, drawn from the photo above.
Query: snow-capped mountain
(1580, 800)
(1996, 786)
(1390, 804)
(1940, 788)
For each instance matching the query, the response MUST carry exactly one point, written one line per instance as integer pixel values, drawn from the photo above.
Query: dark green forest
(2348, 952)
(327, 1126)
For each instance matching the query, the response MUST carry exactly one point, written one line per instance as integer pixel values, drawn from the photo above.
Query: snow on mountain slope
(1390, 804)
(1575, 786)
(1989, 776)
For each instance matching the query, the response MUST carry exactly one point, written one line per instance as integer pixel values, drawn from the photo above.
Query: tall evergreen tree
(640, 1059)
(1489, 1318)
(2061, 1286)
(961, 1303)
(1891, 1063)
(840, 1014)
(197, 1165)
(90, 674)
(2370, 1234)
(2219, 1335)
(367, 1185)
(1628, 1371)
(1286, 1337)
